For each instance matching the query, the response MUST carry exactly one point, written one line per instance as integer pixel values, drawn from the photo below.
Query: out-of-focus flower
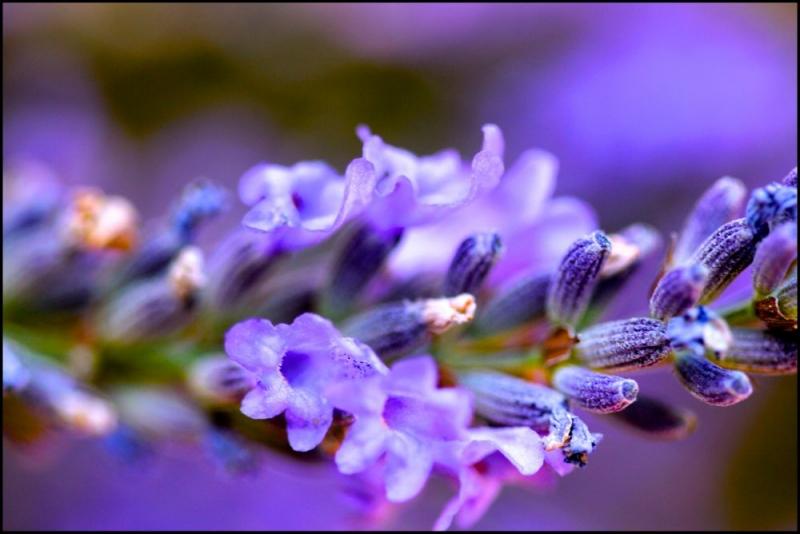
(305, 202)
(293, 364)
(525, 189)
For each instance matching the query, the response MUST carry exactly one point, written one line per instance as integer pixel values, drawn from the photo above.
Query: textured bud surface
(762, 351)
(471, 263)
(626, 344)
(594, 391)
(571, 289)
(512, 401)
(677, 291)
(711, 383)
(360, 259)
(725, 254)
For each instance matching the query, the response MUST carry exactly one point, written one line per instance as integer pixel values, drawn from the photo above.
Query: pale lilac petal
(476, 494)
(267, 400)
(255, 344)
(307, 201)
(271, 214)
(360, 183)
(308, 419)
(527, 185)
(562, 221)
(417, 374)
(363, 397)
(362, 446)
(264, 180)
(555, 459)
(520, 445)
(408, 465)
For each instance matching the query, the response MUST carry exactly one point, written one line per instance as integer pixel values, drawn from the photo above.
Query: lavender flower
(594, 391)
(482, 464)
(314, 241)
(403, 421)
(307, 201)
(725, 254)
(421, 189)
(401, 417)
(293, 364)
(571, 290)
(709, 382)
(471, 264)
(774, 257)
(400, 327)
(625, 344)
(519, 302)
(361, 257)
(770, 206)
(677, 291)
(762, 352)
(720, 204)
(155, 308)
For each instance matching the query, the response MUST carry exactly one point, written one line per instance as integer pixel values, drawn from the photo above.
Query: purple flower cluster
(416, 315)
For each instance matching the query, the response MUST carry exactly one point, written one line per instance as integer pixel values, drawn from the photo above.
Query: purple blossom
(721, 203)
(524, 189)
(403, 421)
(293, 364)
(306, 201)
(402, 418)
(421, 189)
(484, 462)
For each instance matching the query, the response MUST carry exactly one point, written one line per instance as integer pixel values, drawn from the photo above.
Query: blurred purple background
(644, 105)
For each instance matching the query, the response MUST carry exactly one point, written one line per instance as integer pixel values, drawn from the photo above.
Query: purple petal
(255, 344)
(520, 445)
(475, 494)
(555, 459)
(362, 446)
(527, 185)
(363, 397)
(267, 400)
(413, 375)
(407, 467)
(308, 419)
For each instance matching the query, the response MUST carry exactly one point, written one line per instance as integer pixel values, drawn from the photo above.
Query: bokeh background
(644, 105)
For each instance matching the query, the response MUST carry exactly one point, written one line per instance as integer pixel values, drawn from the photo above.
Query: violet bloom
(524, 189)
(293, 364)
(481, 482)
(421, 189)
(401, 417)
(307, 201)
(403, 420)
